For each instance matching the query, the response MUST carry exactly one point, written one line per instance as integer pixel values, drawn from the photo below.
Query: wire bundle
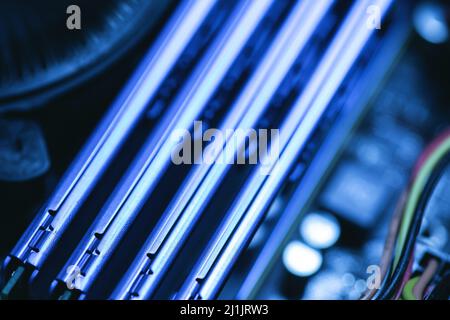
(398, 255)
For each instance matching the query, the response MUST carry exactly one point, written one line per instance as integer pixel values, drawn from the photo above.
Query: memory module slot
(154, 157)
(243, 218)
(46, 229)
(388, 48)
(192, 53)
(160, 249)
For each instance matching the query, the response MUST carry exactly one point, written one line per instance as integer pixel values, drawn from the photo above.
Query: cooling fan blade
(40, 57)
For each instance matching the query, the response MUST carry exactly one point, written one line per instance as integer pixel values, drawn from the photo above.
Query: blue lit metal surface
(154, 158)
(292, 213)
(204, 180)
(241, 221)
(110, 134)
(157, 229)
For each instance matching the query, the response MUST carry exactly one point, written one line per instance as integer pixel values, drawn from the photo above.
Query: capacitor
(300, 262)
(320, 230)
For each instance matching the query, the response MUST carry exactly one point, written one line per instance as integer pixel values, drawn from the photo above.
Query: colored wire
(386, 258)
(417, 188)
(425, 279)
(429, 150)
(408, 293)
(408, 217)
(406, 277)
(415, 287)
(404, 261)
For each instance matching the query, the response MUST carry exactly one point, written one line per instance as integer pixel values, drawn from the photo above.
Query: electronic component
(43, 233)
(300, 262)
(146, 171)
(356, 194)
(261, 149)
(286, 47)
(320, 230)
